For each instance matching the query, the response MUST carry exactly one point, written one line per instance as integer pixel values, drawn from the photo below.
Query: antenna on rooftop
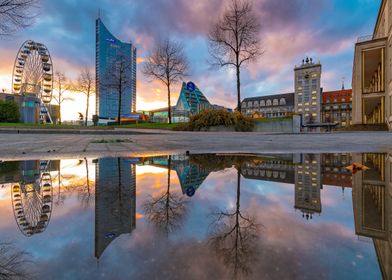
(343, 83)
(99, 13)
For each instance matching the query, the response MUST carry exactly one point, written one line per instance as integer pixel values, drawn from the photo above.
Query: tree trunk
(238, 89)
(119, 104)
(59, 110)
(168, 103)
(88, 101)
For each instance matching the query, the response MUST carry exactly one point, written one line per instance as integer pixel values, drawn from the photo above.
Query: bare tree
(86, 85)
(13, 263)
(235, 39)
(62, 85)
(15, 15)
(117, 79)
(168, 64)
(167, 210)
(234, 237)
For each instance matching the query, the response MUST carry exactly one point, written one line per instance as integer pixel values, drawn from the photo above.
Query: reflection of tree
(73, 184)
(13, 263)
(233, 236)
(167, 210)
(84, 193)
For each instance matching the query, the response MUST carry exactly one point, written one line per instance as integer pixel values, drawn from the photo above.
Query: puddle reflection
(198, 217)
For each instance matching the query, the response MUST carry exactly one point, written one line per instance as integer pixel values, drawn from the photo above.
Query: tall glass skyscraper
(108, 51)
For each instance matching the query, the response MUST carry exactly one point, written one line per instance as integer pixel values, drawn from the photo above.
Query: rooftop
(288, 96)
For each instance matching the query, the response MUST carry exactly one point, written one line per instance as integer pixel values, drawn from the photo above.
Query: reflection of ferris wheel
(33, 72)
(32, 203)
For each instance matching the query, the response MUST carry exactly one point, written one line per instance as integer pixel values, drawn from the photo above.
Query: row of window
(329, 100)
(262, 103)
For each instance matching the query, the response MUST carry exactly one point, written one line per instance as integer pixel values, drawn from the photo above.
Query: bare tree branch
(233, 236)
(235, 39)
(168, 64)
(166, 211)
(13, 263)
(117, 80)
(62, 85)
(16, 15)
(86, 85)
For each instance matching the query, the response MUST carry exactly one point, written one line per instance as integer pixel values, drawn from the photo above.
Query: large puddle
(292, 216)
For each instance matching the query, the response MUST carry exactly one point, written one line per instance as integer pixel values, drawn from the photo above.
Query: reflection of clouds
(289, 247)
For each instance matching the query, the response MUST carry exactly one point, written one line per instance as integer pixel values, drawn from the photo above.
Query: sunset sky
(291, 30)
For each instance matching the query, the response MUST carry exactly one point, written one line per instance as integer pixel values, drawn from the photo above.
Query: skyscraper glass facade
(108, 51)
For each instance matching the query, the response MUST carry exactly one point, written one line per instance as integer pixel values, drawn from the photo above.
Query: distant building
(271, 106)
(108, 49)
(29, 108)
(307, 99)
(337, 107)
(190, 102)
(372, 75)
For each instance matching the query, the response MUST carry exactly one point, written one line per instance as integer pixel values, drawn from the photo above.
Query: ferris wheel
(33, 71)
(32, 203)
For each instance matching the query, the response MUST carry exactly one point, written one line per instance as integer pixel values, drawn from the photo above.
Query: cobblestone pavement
(40, 146)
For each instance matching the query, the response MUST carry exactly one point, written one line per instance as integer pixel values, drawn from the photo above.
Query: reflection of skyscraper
(115, 201)
(308, 185)
(108, 49)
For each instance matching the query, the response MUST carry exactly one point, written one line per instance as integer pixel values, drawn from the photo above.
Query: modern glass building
(108, 52)
(191, 99)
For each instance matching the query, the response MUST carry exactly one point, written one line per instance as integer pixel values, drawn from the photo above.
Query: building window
(256, 104)
(275, 102)
(282, 101)
(262, 103)
(250, 104)
(269, 103)
(244, 104)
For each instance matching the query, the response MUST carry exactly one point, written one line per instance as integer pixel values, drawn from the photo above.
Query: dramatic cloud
(291, 30)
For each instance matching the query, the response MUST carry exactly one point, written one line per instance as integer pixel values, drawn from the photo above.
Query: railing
(364, 38)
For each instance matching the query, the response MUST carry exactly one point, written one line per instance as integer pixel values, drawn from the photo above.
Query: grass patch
(50, 126)
(150, 126)
(108, 141)
(104, 127)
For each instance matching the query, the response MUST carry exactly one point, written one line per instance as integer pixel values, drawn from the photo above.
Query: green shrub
(243, 123)
(208, 118)
(9, 112)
